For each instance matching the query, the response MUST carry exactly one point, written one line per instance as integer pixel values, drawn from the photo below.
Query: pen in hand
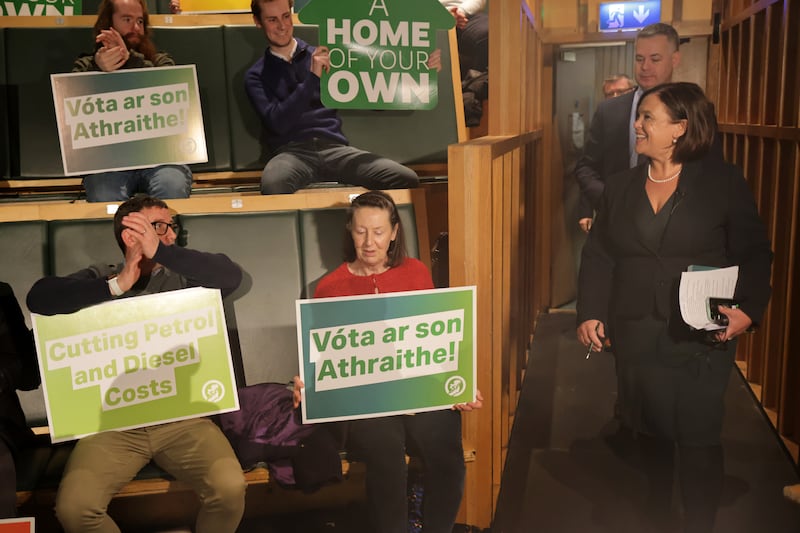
(591, 344)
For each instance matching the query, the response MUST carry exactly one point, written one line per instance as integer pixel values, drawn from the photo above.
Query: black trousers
(672, 388)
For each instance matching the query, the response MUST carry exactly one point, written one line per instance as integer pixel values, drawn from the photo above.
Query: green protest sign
(135, 362)
(128, 119)
(38, 8)
(386, 354)
(379, 51)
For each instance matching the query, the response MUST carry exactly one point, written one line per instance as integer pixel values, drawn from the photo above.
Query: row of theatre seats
(284, 245)
(29, 147)
(283, 254)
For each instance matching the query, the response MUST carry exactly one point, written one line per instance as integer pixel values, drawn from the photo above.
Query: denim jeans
(165, 181)
(299, 164)
(382, 444)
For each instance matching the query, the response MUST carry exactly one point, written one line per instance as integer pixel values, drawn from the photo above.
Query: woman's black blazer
(713, 222)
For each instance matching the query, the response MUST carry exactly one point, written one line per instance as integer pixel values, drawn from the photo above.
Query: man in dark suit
(610, 144)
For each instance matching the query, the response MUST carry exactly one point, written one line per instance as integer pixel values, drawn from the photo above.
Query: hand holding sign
(320, 60)
(435, 60)
(470, 406)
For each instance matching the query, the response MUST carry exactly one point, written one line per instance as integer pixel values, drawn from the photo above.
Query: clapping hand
(113, 52)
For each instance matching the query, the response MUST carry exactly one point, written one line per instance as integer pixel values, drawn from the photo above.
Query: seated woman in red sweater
(375, 261)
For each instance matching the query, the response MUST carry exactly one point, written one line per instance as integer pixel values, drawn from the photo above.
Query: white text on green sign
(122, 116)
(129, 363)
(386, 350)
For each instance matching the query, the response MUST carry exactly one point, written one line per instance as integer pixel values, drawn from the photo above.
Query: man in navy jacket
(306, 138)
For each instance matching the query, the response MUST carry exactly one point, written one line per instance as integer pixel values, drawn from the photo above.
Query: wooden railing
(754, 81)
(500, 216)
(499, 219)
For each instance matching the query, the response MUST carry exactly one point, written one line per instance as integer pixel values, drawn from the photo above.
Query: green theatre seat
(4, 151)
(76, 244)
(32, 54)
(267, 248)
(203, 46)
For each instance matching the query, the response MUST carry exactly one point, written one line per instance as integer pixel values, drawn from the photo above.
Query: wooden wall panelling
(736, 75)
(469, 203)
(762, 183)
(713, 65)
(763, 36)
(773, 64)
(791, 88)
(758, 65)
(789, 414)
(739, 147)
(783, 206)
(746, 80)
(499, 253)
(724, 76)
(514, 301)
(490, 239)
(773, 331)
(742, 37)
(751, 164)
(782, 57)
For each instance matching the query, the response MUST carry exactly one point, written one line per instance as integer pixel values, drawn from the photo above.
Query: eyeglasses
(162, 227)
(618, 92)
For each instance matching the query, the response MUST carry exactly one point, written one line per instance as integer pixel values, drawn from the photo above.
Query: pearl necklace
(665, 180)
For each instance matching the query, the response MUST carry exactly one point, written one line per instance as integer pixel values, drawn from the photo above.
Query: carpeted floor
(568, 470)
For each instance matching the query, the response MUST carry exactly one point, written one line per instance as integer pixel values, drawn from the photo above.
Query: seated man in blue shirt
(306, 137)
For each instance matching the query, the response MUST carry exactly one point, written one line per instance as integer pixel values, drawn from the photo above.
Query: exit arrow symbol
(641, 15)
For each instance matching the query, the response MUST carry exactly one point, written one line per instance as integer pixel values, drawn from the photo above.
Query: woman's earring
(674, 140)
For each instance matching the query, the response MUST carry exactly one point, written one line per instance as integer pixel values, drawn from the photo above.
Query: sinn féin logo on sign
(455, 385)
(213, 391)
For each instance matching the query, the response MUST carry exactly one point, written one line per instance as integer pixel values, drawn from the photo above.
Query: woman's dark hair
(105, 12)
(379, 199)
(255, 7)
(135, 204)
(686, 101)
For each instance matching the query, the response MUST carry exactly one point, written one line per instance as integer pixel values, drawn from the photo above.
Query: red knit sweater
(410, 275)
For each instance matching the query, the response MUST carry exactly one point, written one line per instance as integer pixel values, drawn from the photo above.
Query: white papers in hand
(697, 286)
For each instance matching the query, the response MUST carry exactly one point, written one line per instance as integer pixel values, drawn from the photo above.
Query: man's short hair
(615, 78)
(660, 28)
(255, 6)
(134, 205)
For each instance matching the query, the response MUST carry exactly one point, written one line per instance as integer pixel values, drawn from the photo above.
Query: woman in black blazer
(685, 207)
